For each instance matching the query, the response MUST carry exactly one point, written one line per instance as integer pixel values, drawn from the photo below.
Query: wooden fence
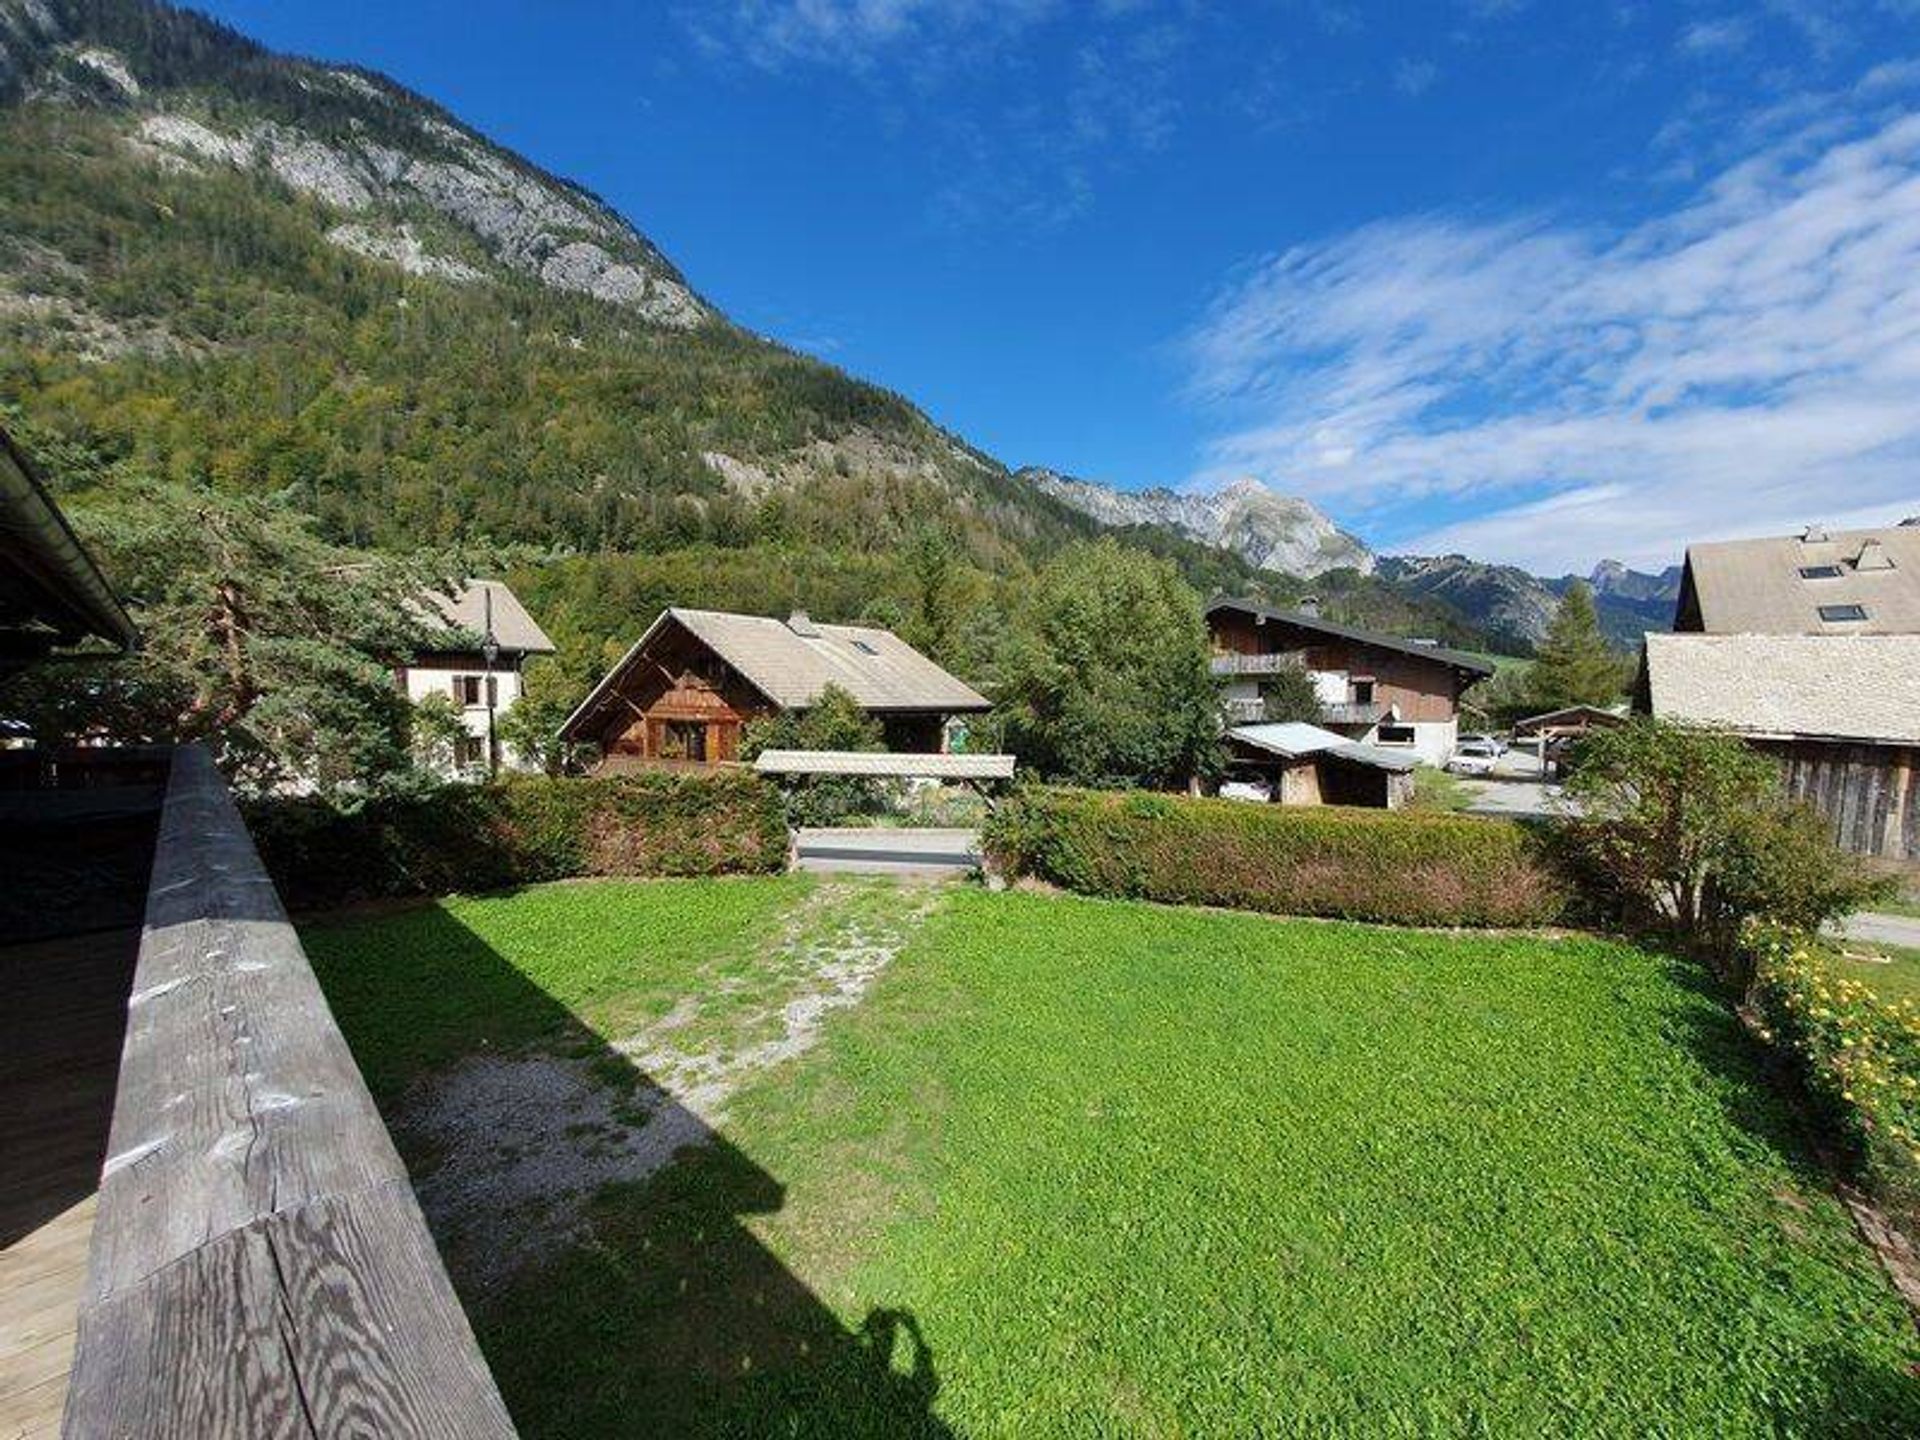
(259, 1264)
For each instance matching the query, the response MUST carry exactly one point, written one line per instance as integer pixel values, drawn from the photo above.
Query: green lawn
(1892, 970)
(1088, 1168)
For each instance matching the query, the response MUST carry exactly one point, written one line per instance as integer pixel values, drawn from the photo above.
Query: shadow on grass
(648, 1307)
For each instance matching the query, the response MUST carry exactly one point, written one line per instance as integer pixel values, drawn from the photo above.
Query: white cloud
(1413, 78)
(1747, 361)
(855, 33)
(1715, 37)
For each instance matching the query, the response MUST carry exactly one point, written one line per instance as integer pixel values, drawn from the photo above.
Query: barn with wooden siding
(1842, 713)
(687, 689)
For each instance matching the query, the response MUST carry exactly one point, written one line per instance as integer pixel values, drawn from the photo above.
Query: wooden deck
(60, 1034)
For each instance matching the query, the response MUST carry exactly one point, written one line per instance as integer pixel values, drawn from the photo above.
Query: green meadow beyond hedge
(1387, 866)
(471, 838)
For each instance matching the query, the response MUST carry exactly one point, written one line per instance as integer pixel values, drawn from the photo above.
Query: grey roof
(885, 763)
(51, 592)
(1844, 687)
(513, 628)
(793, 662)
(1440, 654)
(1295, 739)
(1755, 586)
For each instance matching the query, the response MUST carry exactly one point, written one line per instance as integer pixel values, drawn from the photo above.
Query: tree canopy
(260, 638)
(1106, 677)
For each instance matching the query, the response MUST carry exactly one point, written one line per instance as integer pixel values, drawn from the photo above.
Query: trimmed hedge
(1397, 867)
(1857, 1054)
(519, 831)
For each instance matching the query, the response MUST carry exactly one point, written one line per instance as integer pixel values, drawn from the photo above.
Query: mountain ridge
(299, 277)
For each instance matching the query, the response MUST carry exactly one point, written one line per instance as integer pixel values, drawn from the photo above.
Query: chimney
(802, 626)
(1814, 535)
(1309, 606)
(1873, 556)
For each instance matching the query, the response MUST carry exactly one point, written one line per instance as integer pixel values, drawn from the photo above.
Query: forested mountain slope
(226, 266)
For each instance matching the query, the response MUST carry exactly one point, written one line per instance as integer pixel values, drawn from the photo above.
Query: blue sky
(1537, 281)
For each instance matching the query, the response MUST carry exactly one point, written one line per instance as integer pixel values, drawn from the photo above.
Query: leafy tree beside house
(1105, 678)
(1575, 664)
(1691, 831)
(835, 722)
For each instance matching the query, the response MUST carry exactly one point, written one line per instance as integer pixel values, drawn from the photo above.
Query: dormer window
(1842, 614)
(1819, 572)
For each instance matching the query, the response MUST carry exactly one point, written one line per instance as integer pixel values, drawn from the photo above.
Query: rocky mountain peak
(408, 186)
(1282, 533)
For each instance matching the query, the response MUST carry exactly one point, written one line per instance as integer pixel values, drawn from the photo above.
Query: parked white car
(1251, 790)
(1500, 747)
(1474, 757)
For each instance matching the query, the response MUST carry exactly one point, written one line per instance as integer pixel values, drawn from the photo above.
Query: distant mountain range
(1516, 608)
(1270, 531)
(1291, 536)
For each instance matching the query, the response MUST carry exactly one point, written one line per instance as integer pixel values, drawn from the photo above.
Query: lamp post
(490, 652)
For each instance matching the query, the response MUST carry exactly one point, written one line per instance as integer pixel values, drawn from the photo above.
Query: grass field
(1054, 1166)
(1892, 970)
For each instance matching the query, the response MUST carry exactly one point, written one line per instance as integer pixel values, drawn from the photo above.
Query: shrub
(518, 831)
(1394, 867)
(1689, 829)
(835, 721)
(1857, 1054)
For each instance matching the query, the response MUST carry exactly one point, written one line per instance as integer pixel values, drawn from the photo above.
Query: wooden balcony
(1232, 664)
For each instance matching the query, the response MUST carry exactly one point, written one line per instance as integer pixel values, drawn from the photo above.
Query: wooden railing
(1233, 664)
(259, 1264)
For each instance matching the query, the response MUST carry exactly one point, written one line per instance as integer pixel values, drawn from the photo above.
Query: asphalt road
(928, 854)
(1883, 929)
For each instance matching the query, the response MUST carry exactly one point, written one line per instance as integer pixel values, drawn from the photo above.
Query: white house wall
(420, 683)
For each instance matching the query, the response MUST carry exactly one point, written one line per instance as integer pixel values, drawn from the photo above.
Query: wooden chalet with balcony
(1374, 689)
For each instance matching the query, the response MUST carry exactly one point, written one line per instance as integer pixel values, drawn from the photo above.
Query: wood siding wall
(1870, 794)
(1425, 691)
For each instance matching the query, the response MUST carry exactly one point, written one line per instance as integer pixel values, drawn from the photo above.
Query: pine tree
(1575, 666)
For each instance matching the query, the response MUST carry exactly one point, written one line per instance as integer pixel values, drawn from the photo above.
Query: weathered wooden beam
(259, 1263)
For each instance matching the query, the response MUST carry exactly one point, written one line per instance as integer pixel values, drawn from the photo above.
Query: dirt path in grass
(517, 1144)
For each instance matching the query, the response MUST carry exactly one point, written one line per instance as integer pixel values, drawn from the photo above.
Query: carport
(888, 850)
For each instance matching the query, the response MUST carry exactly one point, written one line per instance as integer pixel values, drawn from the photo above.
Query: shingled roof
(1799, 584)
(1840, 687)
(514, 630)
(792, 661)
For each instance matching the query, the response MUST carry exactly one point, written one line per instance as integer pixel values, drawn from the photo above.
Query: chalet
(687, 687)
(1377, 690)
(489, 637)
(1808, 645)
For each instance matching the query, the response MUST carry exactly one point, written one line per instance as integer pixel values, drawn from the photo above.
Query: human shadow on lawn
(641, 1304)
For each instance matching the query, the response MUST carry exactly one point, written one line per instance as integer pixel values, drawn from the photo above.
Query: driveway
(878, 850)
(1514, 790)
(1882, 929)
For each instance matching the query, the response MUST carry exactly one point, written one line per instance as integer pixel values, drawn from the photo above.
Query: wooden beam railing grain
(259, 1263)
